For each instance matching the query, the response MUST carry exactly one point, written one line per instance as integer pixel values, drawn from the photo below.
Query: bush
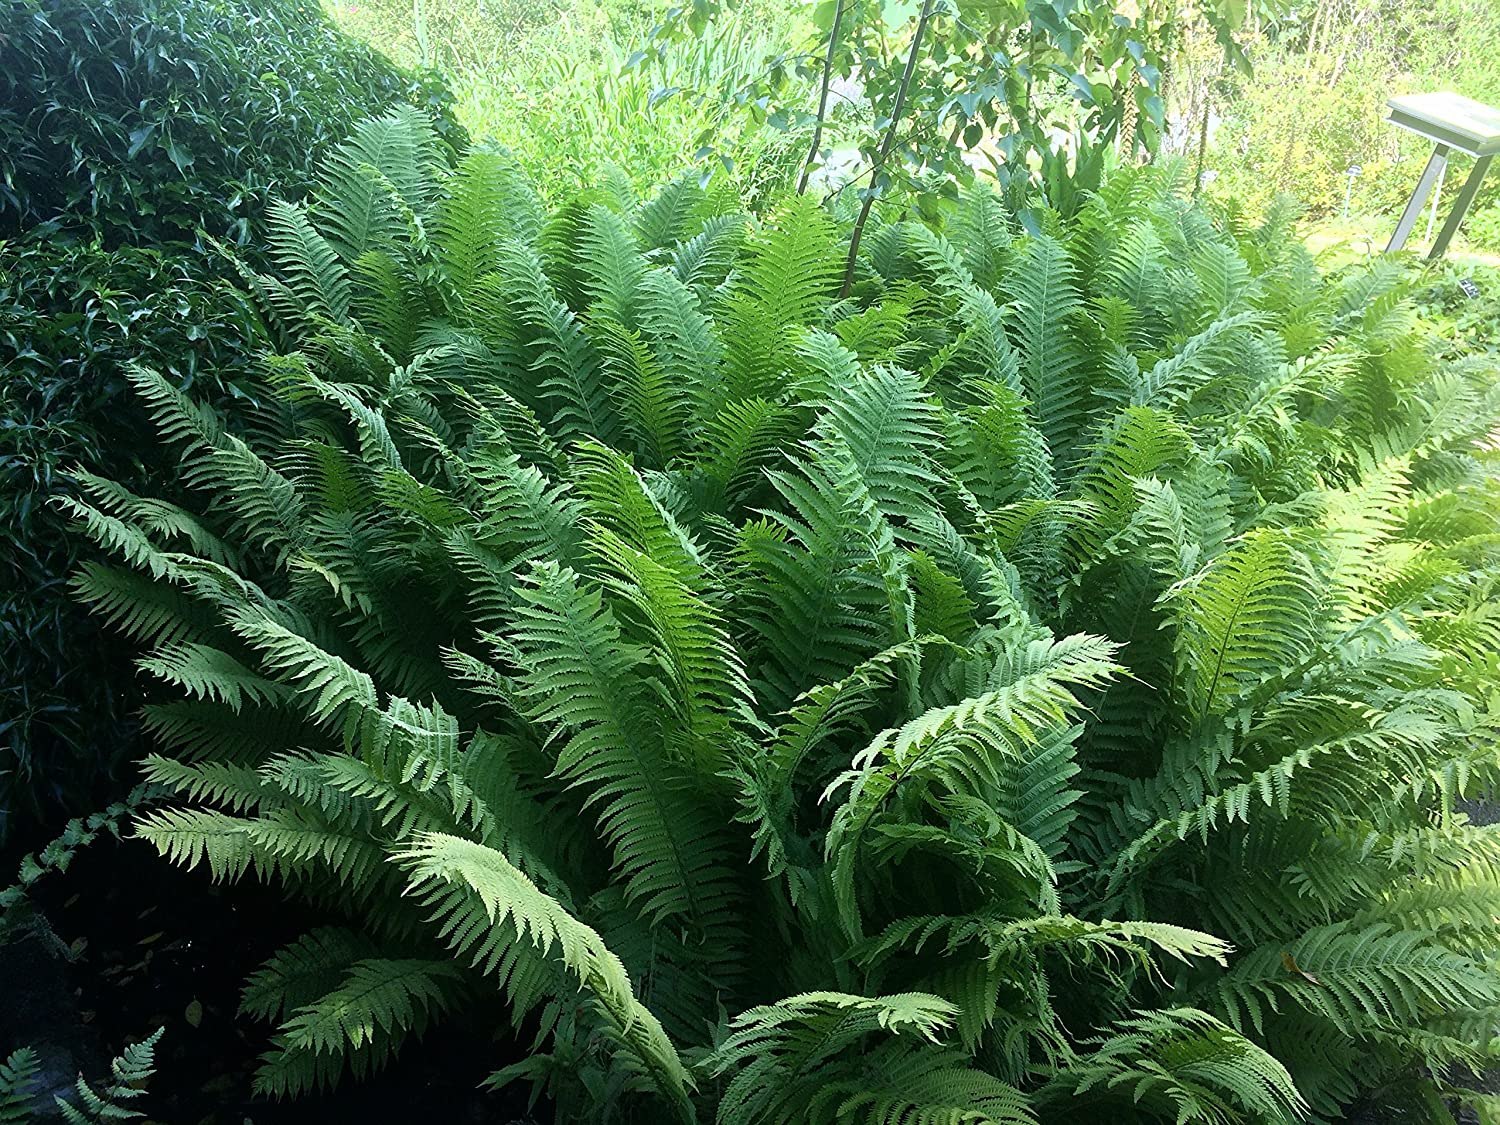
(126, 129)
(1462, 299)
(71, 317)
(1482, 228)
(799, 709)
(147, 120)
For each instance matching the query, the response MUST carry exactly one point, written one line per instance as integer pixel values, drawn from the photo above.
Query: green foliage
(1483, 227)
(788, 708)
(128, 132)
(1463, 300)
(58, 855)
(1317, 105)
(780, 1058)
(20, 1075)
(1177, 1063)
(129, 1073)
(204, 110)
(909, 99)
(587, 96)
(73, 316)
(18, 1080)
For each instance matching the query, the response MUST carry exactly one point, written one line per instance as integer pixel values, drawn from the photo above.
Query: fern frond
(129, 1072)
(787, 1064)
(19, 1079)
(1043, 289)
(1356, 977)
(1182, 1064)
(568, 371)
(330, 684)
(963, 749)
(298, 974)
(884, 420)
(611, 265)
(379, 1002)
(584, 677)
(786, 281)
(655, 409)
(488, 203)
(205, 672)
(671, 215)
(1243, 618)
(316, 279)
(739, 442)
(484, 905)
(384, 157)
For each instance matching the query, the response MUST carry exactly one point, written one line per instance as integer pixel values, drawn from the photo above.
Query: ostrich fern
(1042, 684)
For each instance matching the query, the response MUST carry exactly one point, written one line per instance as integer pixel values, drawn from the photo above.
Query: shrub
(71, 316)
(792, 709)
(147, 120)
(126, 128)
(1462, 300)
(1482, 228)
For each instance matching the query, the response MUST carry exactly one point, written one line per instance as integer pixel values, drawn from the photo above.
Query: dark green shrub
(148, 119)
(71, 316)
(126, 129)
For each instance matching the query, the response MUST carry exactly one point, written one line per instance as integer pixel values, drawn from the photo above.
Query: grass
(568, 88)
(1337, 240)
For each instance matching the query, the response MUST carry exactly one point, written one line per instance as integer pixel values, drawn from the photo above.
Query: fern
(786, 1065)
(371, 180)
(463, 882)
(1045, 683)
(1042, 288)
(1186, 1065)
(783, 286)
(18, 1082)
(379, 1002)
(129, 1072)
(1244, 618)
(315, 281)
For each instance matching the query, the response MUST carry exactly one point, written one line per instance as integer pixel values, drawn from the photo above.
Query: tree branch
(817, 139)
(886, 145)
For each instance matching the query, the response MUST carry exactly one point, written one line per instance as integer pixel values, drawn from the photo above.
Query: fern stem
(885, 146)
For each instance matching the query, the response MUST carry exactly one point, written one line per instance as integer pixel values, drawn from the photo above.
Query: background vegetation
(573, 92)
(1316, 107)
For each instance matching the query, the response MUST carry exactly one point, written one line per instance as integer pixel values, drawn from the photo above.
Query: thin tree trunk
(817, 140)
(1202, 145)
(886, 145)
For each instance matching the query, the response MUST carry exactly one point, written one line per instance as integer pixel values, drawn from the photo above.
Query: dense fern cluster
(1042, 684)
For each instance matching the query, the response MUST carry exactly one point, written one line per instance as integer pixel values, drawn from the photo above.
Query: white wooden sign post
(1453, 123)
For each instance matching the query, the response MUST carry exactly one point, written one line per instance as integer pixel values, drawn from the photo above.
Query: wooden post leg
(1461, 207)
(1435, 164)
